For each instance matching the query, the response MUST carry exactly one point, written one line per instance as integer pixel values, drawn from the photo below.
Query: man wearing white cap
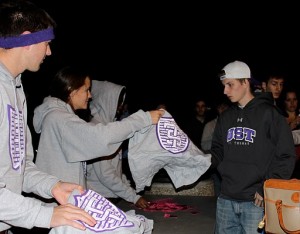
(252, 142)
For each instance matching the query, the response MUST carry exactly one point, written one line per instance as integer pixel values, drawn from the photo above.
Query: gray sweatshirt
(166, 146)
(18, 173)
(66, 141)
(105, 175)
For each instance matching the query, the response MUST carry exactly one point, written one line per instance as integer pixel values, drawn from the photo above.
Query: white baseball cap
(235, 70)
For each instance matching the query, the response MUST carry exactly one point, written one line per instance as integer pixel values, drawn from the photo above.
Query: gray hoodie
(105, 175)
(66, 141)
(18, 173)
(166, 146)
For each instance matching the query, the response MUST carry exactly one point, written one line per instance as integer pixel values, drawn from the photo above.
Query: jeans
(237, 217)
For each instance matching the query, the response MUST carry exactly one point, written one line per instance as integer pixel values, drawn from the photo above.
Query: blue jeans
(235, 217)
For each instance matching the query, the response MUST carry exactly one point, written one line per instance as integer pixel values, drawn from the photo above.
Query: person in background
(209, 127)
(67, 141)
(252, 142)
(26, 31)
(291, 110)
(104, 175)
(194, 125)
(207, 136)
(274, 84)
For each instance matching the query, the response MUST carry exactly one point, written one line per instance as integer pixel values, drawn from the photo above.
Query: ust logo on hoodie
(16, 137)
(107, 215)
(241, 134)
(170, 136)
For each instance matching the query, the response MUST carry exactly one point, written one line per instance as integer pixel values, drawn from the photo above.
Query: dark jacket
(251, 145)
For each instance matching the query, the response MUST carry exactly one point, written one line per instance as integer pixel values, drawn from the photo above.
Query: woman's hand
(142, 203)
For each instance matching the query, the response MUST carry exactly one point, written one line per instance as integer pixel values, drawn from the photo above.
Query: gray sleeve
(36, 181)
(110, 178)
(17, 210)
(82, 141)
(207, 136)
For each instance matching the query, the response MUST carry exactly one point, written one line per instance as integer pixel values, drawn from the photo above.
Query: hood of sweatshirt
(49, 104)
(12, 84)
(104, 104)
(263, 98)
(7, 77)
(246, 113)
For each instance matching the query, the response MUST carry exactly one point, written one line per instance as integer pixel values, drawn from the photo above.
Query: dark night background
(168, 52)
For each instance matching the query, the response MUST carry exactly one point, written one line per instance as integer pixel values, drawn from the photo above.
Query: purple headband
(27, 39)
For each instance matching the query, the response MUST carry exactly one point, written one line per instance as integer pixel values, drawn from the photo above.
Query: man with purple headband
(25, 33)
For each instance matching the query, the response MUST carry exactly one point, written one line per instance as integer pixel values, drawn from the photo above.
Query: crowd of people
(252, 134)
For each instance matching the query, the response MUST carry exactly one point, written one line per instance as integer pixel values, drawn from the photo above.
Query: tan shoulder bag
(282, 206)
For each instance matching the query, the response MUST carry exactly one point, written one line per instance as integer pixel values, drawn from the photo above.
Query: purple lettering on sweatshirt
(170, 136)
(107, 215)
(16, 137)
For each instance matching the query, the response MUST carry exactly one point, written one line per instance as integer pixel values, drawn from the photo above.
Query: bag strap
(280, 218)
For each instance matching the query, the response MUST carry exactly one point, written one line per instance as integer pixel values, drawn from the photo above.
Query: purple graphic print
(170, 136)
(108, 216)
(16, 137)
(241, 134)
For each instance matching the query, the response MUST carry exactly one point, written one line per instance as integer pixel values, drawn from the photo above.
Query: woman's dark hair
(67, 80)
(281, 100)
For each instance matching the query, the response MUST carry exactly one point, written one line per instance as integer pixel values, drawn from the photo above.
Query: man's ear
(72, 93)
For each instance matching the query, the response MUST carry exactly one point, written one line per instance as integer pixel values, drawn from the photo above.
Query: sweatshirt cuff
(44, 217)
(137, 197)
(52, 186)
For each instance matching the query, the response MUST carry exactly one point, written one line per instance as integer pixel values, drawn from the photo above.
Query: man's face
(235, 90)
(37, 54)
(275, 86)
(200, 108)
